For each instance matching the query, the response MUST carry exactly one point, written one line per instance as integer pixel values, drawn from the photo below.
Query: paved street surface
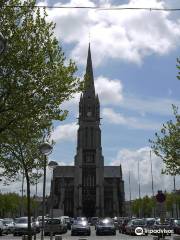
(93, 236)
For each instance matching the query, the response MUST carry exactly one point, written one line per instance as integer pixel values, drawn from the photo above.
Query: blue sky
(134, 59)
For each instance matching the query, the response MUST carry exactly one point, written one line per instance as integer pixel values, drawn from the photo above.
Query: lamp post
(2, 44)
(52, 165)
(45, 148)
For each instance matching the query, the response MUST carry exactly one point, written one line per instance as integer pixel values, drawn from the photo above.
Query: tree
(166, 145)
(34, 78)
(34, 81)
(144, 206)
(20, 153)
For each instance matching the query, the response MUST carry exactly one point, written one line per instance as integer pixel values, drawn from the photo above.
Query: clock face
(89, 114)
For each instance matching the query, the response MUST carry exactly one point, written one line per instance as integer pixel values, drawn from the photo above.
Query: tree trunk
(29, 207)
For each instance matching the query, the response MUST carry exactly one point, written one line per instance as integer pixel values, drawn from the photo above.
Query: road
(93, 236)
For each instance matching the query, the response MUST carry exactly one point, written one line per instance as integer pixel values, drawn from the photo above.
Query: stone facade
(88, 188)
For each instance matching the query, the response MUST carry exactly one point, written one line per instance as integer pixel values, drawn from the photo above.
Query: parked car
(122, 224)
(55, 225)
(80, 227)
(21, 226)
(133, 224)
(150, 222)
(81, 219)
(176, 226)
(8, 225)
(1, 227)
(105, 226)
(158, 225)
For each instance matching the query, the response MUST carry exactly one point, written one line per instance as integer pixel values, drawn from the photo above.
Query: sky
(134, 61)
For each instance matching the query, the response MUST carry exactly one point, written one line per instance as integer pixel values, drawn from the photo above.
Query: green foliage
(11, 203)
(145, 205)
(178, 67)
(166, 144)
(34, 78)
(148, 204)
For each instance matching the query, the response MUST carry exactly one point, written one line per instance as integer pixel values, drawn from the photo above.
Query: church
(88, 188)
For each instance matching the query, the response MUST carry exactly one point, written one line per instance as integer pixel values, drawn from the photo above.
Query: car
(8, 225)
(21, 226)
(81, 219)
(176, 226)
(105, 226)
(55, 225)
(133, 224)
(150, 222)
(1, 227)
(80, 227)
(165, 225)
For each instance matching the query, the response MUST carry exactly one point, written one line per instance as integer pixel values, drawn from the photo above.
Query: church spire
(89, 78)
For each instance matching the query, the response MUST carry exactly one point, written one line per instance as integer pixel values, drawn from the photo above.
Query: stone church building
(88, 188)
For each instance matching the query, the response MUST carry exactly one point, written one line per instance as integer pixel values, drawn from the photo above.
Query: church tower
(88, 188)
(89, 162)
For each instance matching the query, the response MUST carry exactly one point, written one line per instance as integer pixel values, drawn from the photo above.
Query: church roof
(69, 171)
(112, 171)
(64, 171)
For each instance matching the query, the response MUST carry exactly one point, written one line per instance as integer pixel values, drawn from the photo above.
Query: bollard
(58, 237)
(25, 237)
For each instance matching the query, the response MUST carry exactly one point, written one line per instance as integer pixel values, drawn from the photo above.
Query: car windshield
(67, 220)
(105, 222)
(164, 223)
(138, 222)
(177, 221)
(21, 220)
(81, 223)
(53, 221)
(7, 221)
(150, 222)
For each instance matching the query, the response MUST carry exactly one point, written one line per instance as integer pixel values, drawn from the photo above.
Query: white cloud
(17, 186)
(160, 106)
(129, 160)
(125, 35)
(109, 91)
(65, 132)
(111, 116)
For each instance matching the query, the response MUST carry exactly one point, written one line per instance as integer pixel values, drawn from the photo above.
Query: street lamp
(52, 165)
(2, 44)
(45, 148)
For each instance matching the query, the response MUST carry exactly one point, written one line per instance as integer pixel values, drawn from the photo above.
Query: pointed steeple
(120, 168)
(89, 78)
